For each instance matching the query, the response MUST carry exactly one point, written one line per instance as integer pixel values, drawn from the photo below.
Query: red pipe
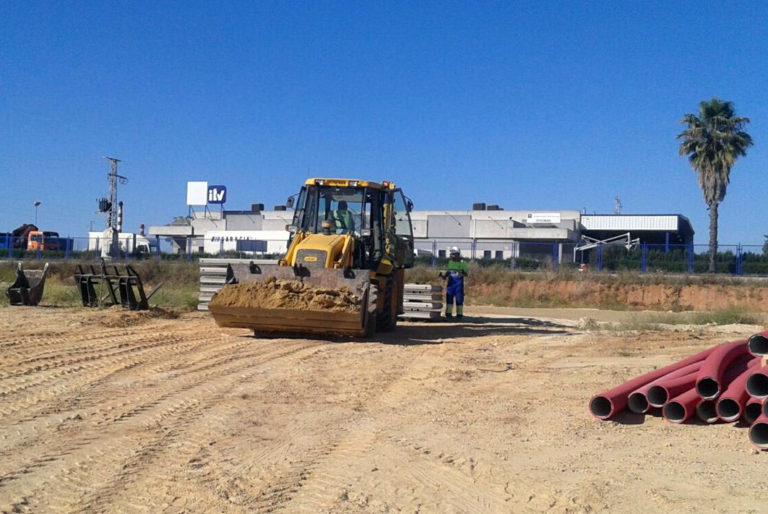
(709, 383)
(706, 411)
(605, 405)
(758, 344)
(682, 407)
(731, 402)
(752, 410)
(664, 390)
(639, 401)
(758, 432)
(757, 383)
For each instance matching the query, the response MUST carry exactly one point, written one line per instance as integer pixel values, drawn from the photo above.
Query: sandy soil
(107, 411)
(286, 294)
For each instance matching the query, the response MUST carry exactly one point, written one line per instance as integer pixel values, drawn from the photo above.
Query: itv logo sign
(217, 194)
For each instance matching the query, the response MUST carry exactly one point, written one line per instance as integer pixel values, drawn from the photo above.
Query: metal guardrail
(213, 276)
(422, 302)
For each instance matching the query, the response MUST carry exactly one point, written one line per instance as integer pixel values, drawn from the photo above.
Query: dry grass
(179, 289)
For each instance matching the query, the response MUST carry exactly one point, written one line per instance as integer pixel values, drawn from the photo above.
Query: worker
(454, 287)
(343, 219)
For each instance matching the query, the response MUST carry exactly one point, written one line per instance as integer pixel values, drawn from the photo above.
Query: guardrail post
(644, 257)
(690, 257)
(555, 257)
(600, 257)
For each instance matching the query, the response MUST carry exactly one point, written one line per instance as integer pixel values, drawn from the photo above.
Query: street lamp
(36, 204)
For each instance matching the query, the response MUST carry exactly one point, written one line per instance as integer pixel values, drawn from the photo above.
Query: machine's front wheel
(370, 315)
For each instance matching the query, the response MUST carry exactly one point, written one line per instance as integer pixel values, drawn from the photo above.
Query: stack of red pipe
(725, 383)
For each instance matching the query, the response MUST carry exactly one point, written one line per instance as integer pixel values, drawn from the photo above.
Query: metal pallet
(105, 285)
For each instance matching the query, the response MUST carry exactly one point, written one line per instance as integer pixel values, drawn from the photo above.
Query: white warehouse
(488, 233)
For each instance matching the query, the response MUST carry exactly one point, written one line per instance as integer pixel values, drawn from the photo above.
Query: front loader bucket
(276, 321)
(28, 287)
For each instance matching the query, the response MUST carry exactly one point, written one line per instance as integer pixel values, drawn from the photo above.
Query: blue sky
(530, 105)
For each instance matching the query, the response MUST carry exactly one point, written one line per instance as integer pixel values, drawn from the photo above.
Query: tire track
(105, 344)
(45, 347)
(313, 483)
(169, 422)
(178, 412)
(108, 410)
(135, 354)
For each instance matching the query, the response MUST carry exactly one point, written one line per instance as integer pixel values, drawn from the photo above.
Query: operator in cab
(454, 286)
(343, 219)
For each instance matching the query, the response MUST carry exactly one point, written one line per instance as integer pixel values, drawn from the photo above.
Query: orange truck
(39, 240)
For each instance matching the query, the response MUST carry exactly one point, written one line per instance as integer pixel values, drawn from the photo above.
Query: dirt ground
(107, 411)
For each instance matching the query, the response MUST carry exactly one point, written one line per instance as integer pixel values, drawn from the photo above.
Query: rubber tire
(385, 321)
(370, 315)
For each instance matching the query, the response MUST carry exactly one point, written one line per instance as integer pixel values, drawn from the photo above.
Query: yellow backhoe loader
(346, 234)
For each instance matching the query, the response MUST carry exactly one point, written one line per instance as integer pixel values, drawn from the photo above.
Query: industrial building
(483, 232)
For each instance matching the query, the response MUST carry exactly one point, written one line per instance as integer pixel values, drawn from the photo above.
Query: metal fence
(530, 256)
(526, 256)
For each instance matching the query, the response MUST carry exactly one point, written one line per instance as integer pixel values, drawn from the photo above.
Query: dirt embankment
(586, 293)
(286, 294)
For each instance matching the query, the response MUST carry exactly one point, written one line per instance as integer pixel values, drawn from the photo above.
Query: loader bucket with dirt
(28, 287)
(273, 299)
(107, 285)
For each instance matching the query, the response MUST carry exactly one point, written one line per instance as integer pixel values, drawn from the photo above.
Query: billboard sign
(217, 194)
(197, 193)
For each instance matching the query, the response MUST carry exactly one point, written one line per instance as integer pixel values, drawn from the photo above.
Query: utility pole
(113, 249)
(113, 180)
(617, 204)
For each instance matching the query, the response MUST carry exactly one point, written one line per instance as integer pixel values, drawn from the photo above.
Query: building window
(499, 255)
(441, 254)
(486, 254)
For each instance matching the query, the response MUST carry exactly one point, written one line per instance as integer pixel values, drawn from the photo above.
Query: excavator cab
(345, 233)
(376, 217)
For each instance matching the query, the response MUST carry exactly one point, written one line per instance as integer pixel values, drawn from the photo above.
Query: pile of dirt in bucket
(286, 294)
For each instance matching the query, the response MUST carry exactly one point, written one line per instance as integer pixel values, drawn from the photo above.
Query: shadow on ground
(436, 332)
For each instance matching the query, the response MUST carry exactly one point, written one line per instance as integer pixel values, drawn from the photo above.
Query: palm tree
(712, 141)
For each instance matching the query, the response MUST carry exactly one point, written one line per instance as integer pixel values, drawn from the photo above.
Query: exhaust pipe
(607, 404)
(758, 432)
(640, 401)
(681, 407)
(709, 383)
(758, 344)
(752, 410)
(731, 403)
(757, 383)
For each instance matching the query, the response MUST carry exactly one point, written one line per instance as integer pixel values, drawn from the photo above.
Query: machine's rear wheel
(386, 319)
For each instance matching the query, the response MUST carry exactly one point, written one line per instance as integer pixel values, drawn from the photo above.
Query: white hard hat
(455, 249)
